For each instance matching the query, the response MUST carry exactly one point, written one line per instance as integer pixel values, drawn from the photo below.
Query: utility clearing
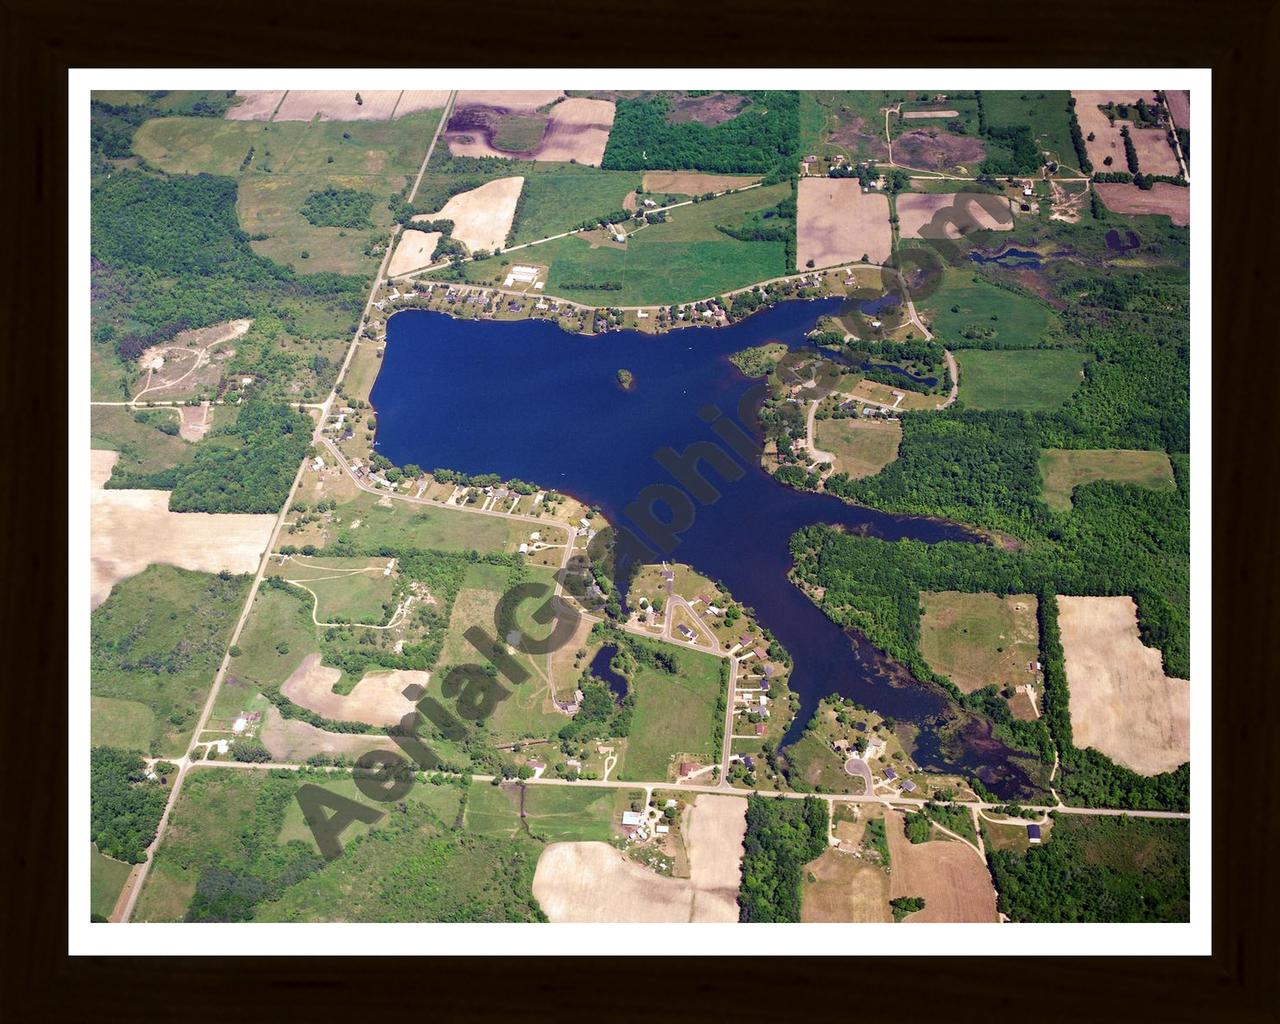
(1122, 703)
(593, 882)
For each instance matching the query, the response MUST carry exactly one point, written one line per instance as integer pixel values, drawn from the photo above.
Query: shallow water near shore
(527, 400)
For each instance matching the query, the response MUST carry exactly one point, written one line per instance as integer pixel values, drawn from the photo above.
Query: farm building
(1033, 833)
(632, 819)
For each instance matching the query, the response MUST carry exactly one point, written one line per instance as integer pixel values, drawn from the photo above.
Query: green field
(967, 310)
(674, 714)
(551, 813)
(290, 161)
(276, 637)
(1045, 111)
(118, 722)
(557, 200)
(143, 446)
(518, 133)
(862, 446)
(158, 641)
(406, 525)
(239, 850)
(1036, 380)
(106, 878)
(979, 639)
(344, 589)
(1063, 470)
(822, 113)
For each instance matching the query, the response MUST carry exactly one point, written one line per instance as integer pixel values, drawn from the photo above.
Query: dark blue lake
(1008, 258)
(525, 399)
(602, 670)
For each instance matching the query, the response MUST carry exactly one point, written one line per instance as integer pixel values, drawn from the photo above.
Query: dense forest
(782, 837)
(1099, 869)
(339, 208)
(762, 139)
(124, 806)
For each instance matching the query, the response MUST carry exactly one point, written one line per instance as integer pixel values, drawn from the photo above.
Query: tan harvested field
(292, 740)
(966, 212)
(338, 105)
(1173, 201)
(413, 100)
(951, 876)
(1122, 703)
(836, 222)
(578, 130)
(257, 105)
(693, 183)
(845, 889)
(593, 882)
(1155, 155)
(515, 100)
(413, 252)
(133, 529)
(378, 699)
(917, 115)
(482, 217)
(1179, 101)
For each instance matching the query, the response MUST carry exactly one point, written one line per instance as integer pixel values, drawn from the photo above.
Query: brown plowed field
(836, 222)
(969, 211)
(932, 149)
(951, 877)
(376, 700)
(1173, 201)
(258, 105)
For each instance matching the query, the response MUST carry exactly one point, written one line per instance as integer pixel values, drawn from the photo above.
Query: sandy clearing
(183, 365)
(1179, 102)
(516, 100)
(845, 889)
(194, 423)
(377, 699)
(338, 105)
(134, 529)
(968, 211)
(413, 252)
(413, 100)
(1173, 201)
(482, 217)
(916, 115)
(291, 740)
(1122, 703)
(594, 882)
(257, 106)
(838, 223)
(951, 876)
(693, 183)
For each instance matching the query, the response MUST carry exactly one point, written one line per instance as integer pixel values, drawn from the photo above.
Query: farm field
(1162, 198)
(595, 882)
(134, 529)
(967, 308)
(278, 165)
(840, 887)
(377, 699)
(950, 876)
(965, 214)
(1045, 111)
(862, 446)
(980, 639)
(156, 643)
(1122, 703)
(693, 183)
(482, 216)
(1065, 469)
(565, 195)
(839, 223)
(551, 813)
(401, 524)
(1037, 380)
(145, 446)
(1155, 155)
(515, 124)
(414, 250)
(106, 879)
(674, 714)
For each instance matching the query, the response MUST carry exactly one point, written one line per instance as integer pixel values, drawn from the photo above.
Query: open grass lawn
(116, 722)
(345, 589)
(552, 813)
(525, 713)
(1037, 380)
(977, 639)
(405, 524)
(106, 878)
(158, 641)
(1045, 111)
(519, 133)
(1064, 470)
(967, 308)
(238, 849)
(291, 160)
(277, 636)
(674, 714)
(862, 446)
(562, 197)
(363, 371)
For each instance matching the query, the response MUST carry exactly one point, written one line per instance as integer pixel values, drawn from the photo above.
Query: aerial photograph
(619, 506)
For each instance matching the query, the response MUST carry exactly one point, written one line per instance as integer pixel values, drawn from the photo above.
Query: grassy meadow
(1035, 380)
(1063, 470)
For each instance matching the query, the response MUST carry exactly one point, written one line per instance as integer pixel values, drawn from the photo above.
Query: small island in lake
(626, 380)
